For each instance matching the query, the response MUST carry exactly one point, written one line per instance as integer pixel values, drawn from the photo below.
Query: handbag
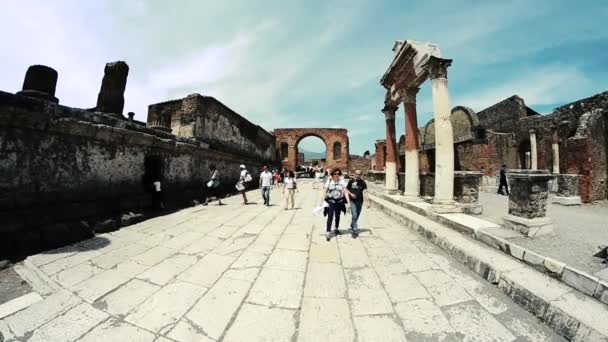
(248, 178)
(239, 187)
(210, 184)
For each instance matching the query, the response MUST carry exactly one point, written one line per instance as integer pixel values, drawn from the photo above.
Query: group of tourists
(336, 192)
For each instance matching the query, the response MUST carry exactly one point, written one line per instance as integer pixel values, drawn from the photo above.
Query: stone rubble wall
(62, 170)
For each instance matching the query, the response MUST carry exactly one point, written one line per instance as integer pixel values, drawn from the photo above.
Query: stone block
(581, 281)
(533, 259)
(572, 200)
(554, 267)
(601, 292)
(529, 227)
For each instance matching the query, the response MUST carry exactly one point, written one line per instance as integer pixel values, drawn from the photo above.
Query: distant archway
(335, 139)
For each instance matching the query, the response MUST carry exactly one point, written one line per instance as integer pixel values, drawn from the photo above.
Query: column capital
(438, 67)
(389, 112)
(408, 95)
(532, 131)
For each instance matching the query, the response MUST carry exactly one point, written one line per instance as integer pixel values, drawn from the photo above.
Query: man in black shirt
(355, 189)
(503, 180)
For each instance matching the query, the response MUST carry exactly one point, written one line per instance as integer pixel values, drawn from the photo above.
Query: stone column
(412, 145)
(40, 82)
(555, 148)
(567, 190)
(391, 184)
(533, 155)
(444, 137)
(111, 95)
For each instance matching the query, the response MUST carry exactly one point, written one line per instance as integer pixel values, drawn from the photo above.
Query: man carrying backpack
(244, 179)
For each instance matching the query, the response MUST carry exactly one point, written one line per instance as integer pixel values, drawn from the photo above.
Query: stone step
(567, 311)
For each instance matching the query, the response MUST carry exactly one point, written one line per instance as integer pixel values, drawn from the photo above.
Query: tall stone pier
(391, 182)
(40, 82)
(111, 95)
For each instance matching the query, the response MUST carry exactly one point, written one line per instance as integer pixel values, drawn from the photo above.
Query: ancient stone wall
(380, 155)
(359, 163)
(62, 170)
(209, 120)
(503, 116)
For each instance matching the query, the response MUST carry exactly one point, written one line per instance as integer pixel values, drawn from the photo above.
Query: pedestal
(567, 190)
(528, 202)
(466, 191)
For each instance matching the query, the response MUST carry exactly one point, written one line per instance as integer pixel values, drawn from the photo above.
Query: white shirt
(334, 189)
(289, 182)
(157, 186)
(266, 178)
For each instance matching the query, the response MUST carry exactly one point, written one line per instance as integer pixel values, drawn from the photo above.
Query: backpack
(248, 178)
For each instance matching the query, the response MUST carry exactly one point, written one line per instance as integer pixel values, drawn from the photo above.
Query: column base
(529, 227)
(445, 207)
(391, 191)
(412, 198)
(471, 208)
(572, 200)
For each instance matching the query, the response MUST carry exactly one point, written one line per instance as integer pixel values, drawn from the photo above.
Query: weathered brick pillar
(528, 202)
(380, 156)
(412, 145)
(533, 155)
(40, 82)
(111, 95)
(444, 137)
(391, 184)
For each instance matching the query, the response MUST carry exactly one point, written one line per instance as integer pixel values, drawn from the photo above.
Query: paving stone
(168, 269)
(162, 310)
(324, 280)
(354, 255)
(402, 287)
(41, 312)
(416, 261)
(324, 253)
(579, 280)
(325, 319)
(277, 288)
(476, 324)
(207, 270)
(382, 255)
(115, 257)
(250, 259)
(115, 330)
(5, 333)
(155, 240)
(442, 287)
(247, 274)
(366, 294)
(224, 231)
(181, 240)
(202, 245)
(214, 310)
(378, 328)
(106, 281)
(256, 323)
(186, 331)
(80, 319)
(18, 304)
(285, 259)
(69, 262)
(154, 255)
(77, 274)
(53, 255)
(298, 242)
(484, 296)
(424, 321)
(127, 297)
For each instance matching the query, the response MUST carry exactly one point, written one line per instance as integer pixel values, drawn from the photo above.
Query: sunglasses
(336, 174)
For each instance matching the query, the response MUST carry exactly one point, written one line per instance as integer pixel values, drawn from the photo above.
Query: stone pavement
(252, 273)
(579, 230)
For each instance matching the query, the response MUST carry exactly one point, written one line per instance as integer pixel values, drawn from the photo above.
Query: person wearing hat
(241, 186)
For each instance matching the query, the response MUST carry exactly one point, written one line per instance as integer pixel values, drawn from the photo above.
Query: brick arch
(330, 136)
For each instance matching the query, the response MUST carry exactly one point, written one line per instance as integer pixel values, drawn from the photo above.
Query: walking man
(355, 188)
(265, 184)
(503, 180)
(242, 184)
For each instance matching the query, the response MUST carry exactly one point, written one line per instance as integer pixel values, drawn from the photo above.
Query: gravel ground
(579, 231)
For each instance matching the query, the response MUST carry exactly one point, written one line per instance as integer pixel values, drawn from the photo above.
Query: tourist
(213, 185)
(503, 180)
(244, 179)
(289, 184)
(157, 195)
(335, 195)
(355, 188)
(265, 184)
(275, 178)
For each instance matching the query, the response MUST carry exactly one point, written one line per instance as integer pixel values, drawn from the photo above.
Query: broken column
(567, 190)
(533, 155)
(466, 191)
(444, 137)
(40, 82)
(111, 95)
(391, 185)
(412, 172)
(528, 202)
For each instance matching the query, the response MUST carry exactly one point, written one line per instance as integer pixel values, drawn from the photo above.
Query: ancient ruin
(68, 172)
(335, 139)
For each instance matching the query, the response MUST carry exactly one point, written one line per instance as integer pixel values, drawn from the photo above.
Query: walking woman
(289, 184)
(335, 195)
(213, 185)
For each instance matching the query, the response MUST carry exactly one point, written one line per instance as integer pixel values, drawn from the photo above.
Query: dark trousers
(157, 200)
(506, 188)
(355, 208)
(333, 211)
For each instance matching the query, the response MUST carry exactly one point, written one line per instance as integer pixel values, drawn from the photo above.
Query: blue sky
(309, 63)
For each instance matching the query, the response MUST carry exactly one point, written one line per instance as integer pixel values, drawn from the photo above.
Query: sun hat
(242, 166)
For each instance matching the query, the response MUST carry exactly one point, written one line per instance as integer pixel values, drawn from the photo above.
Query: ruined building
(66, 172)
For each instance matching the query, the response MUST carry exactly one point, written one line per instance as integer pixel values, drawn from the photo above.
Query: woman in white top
(289, 183)
(335, 195)
(213, 186)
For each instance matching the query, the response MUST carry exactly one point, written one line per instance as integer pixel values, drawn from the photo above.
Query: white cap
(242, 166)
